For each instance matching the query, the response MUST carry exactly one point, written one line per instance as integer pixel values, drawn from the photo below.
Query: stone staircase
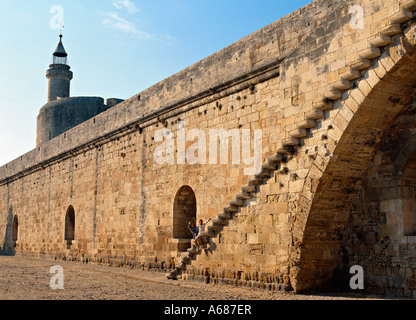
(292, 143)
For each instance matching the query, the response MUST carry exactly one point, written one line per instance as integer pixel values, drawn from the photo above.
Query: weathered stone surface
(335, 107)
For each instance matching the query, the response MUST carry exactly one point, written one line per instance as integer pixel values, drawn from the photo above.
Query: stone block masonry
(336, 188)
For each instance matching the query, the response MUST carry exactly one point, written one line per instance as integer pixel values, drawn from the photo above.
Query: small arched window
(70, 224)
(15, 230)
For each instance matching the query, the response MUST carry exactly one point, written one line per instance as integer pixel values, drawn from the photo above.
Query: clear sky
(116, 48)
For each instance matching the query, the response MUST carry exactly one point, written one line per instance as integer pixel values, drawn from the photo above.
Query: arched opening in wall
(70, 225)
(15, 230)
(184, 211)
(408, 197)
(318, 236)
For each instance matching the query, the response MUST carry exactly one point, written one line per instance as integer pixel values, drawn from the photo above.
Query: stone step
(214, 230)
(291, 141)
(249, 188)
(225, 215)
(243, 195)
(308, 124)
(370, 53)
(283, 151)
(391, 30)
(315, 114)
(342, 84)
(326, 104)
(219, 221)
(277, 158)
(299, 133)
(361, 64)
(351, 73)
(402, 16)
(231, 209)
(182, 255)
(269, 166)
(237, 203)
(255, 181)
(381, 41)
(265, 172)
(180, 268)
(186, 260)
(333, 94)
(260, 176)
(217, 228)
(409, 5)
(207, 235)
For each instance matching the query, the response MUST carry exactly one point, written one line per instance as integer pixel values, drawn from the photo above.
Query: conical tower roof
(60, 50)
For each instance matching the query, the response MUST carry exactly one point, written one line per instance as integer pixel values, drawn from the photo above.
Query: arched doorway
(184, 211)
(15, 230)
(70, 225)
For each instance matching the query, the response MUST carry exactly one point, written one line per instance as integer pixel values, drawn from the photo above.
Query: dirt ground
(29, 279)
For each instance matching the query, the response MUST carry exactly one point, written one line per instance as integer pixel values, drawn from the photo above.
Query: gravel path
(29, 279)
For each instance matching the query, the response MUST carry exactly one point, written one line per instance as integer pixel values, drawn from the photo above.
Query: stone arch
(184, 211)
(70, 225)
(15, 230)
(381, 93)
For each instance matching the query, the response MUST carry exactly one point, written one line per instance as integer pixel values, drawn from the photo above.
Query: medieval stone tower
(63, 112)
(59, 74)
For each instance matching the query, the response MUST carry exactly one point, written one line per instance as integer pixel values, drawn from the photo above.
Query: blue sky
(116, 48)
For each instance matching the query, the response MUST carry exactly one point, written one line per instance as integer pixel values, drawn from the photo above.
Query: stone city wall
(324, 85)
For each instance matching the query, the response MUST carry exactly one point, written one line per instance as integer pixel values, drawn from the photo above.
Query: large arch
(184, 211)
(382, 92)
